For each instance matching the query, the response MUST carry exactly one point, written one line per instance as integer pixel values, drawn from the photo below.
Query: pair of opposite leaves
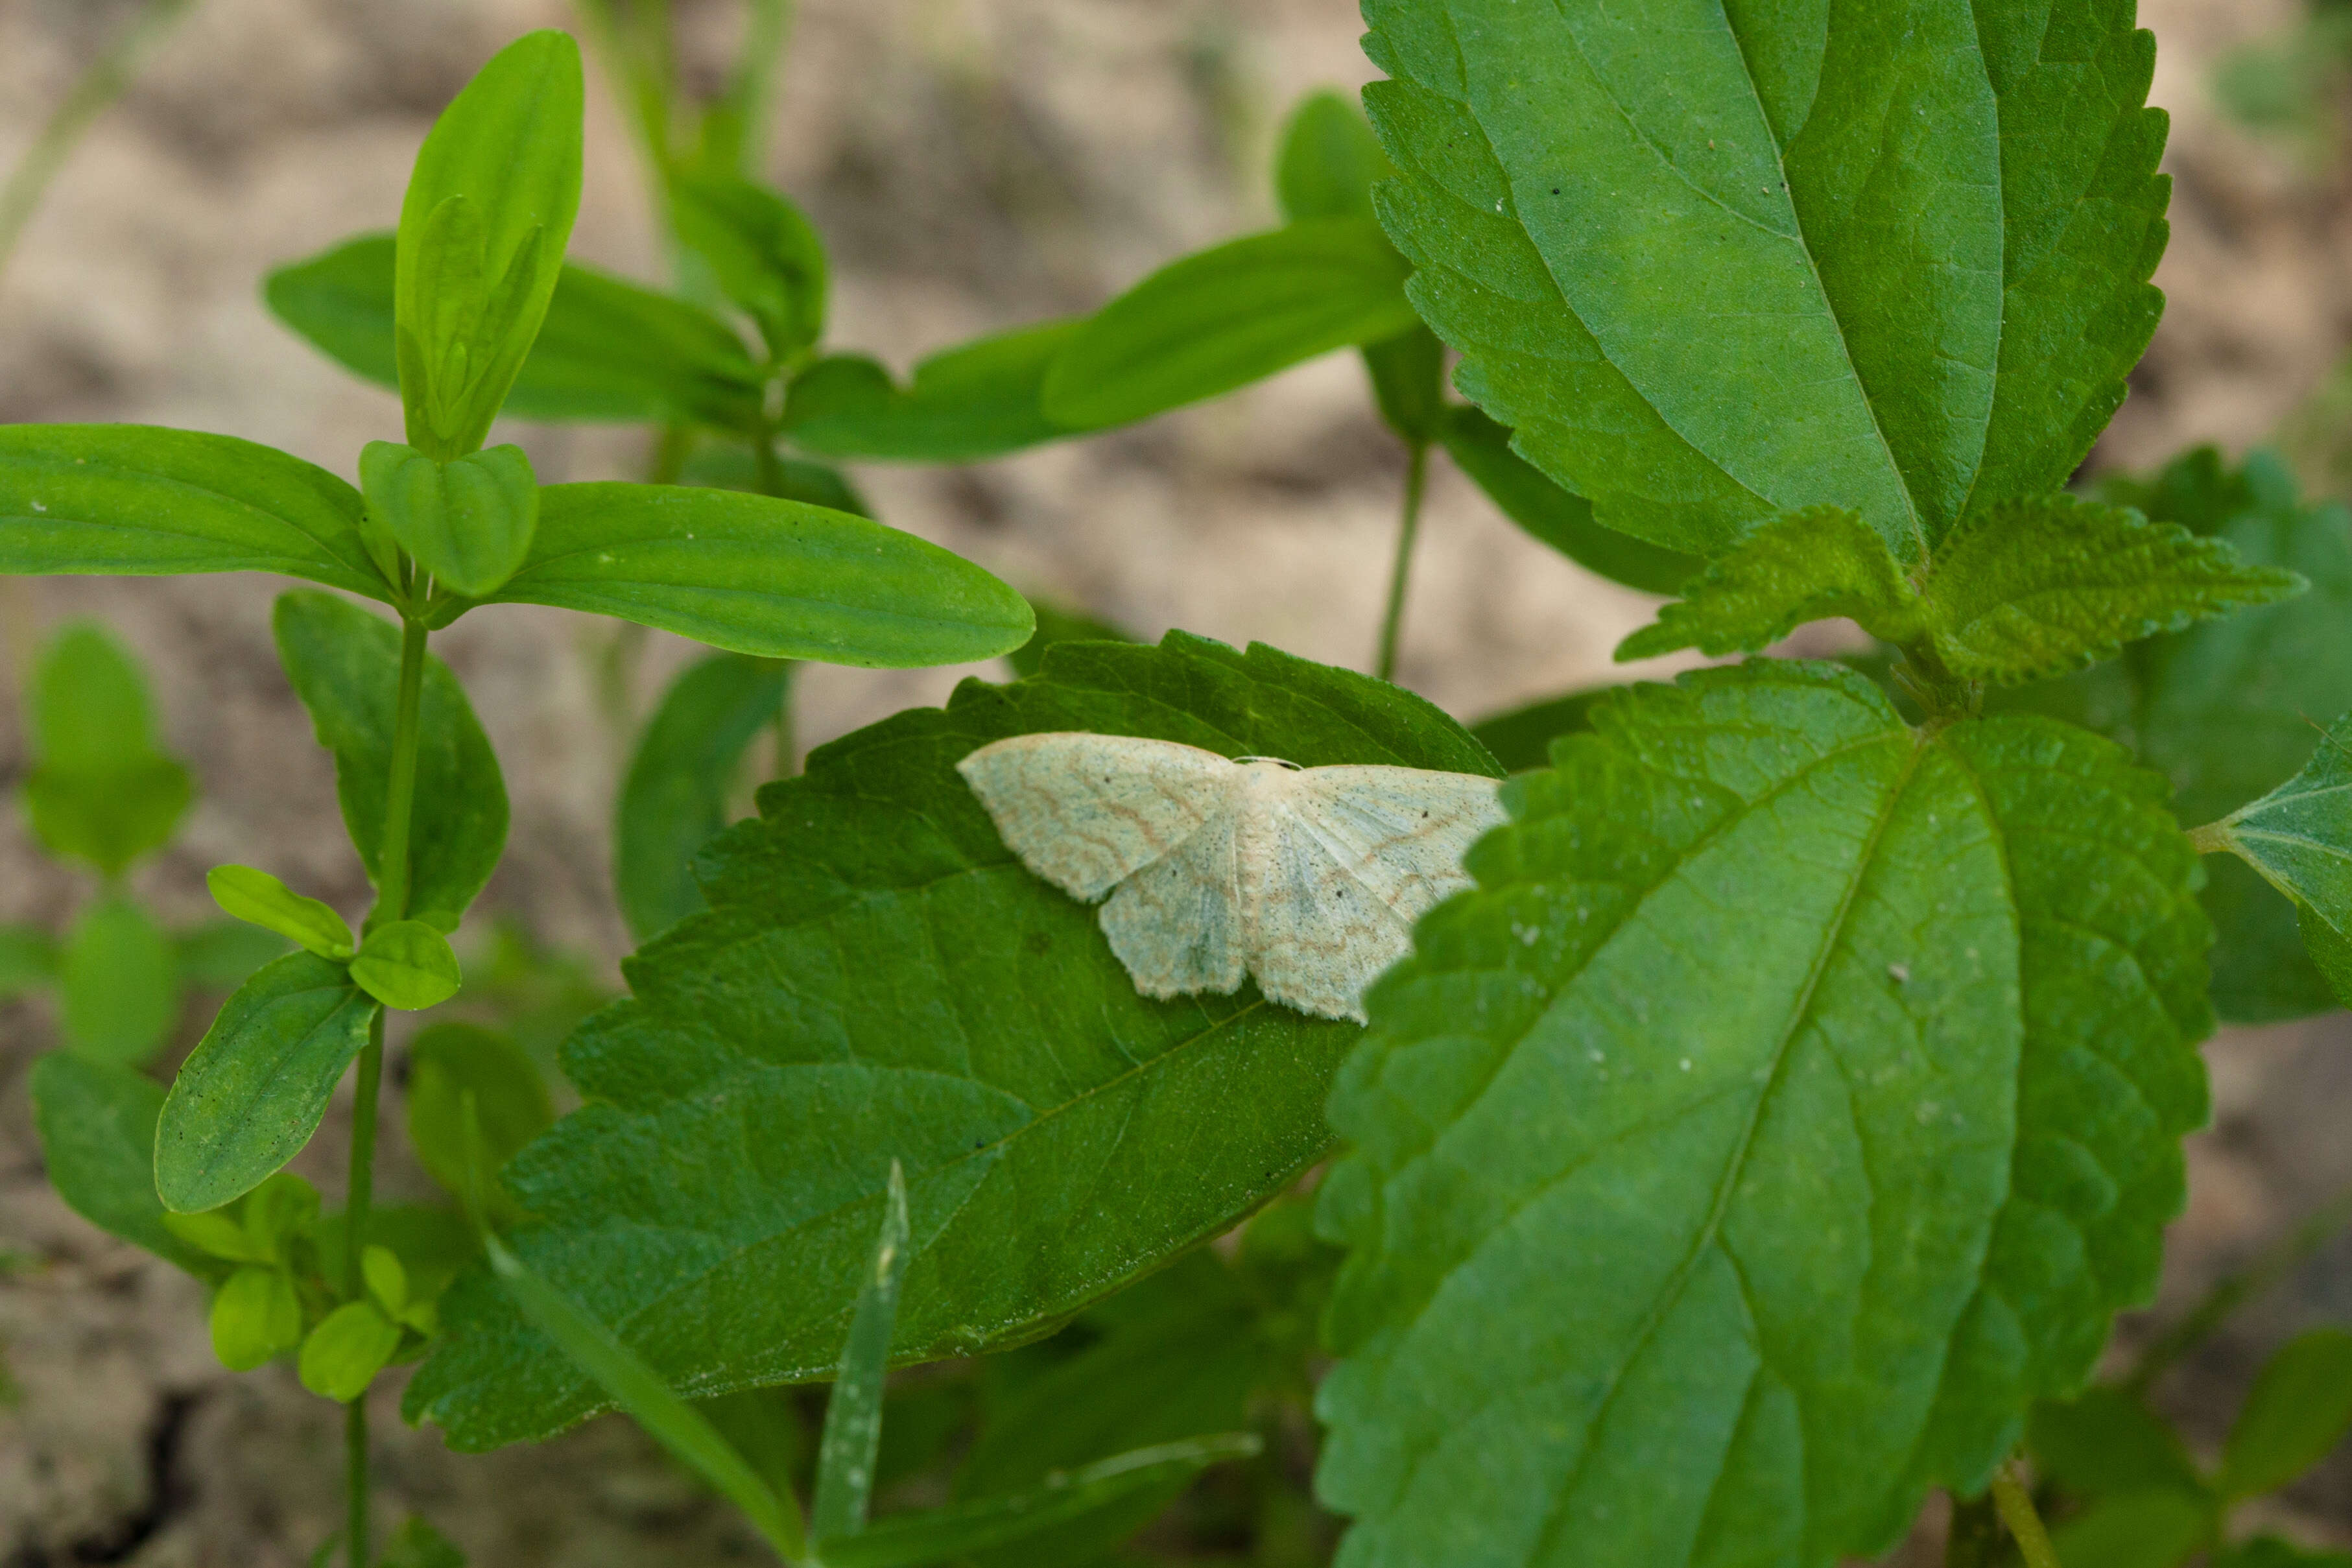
(1309, 879)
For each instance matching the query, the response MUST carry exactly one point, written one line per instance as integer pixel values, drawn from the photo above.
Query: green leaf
(2225, 710)
(407, 964)
(1676, 1208)
(447, 1063)
(751, 574)
(2299, 1409)
(101, 789)
(1522, 737)
(1483, 450)
(787, 1045)
(140, 500)
(482, 230)
(118, 989)
(684, 772)
(469, 522)
(254, 1090)
(982, 399)
(853, 1413)
(96, 1122)
(944, 1535)
(387, 1281)
(1805, 566)
(416, 1544)
(731, 466)
(255, 1316)
(221, 955)
(344, 1352)
(2033, 588)
(636, 1388)
(1408, 373)
(762, 249)
(261, 899)
(609, 351)
(2104, 1441)
(2270, 1552)
(345, 667)
(2137, 1530)
(1715, 266)
(1228, 316)
(218, 1234)
(1328, 161)
(2299, 838)
(28, 960)
(1057, 624)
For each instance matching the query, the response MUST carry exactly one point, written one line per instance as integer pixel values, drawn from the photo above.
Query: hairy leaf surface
(1793, 1103)
(1806, 566)
(1715, 263)
(880, 978)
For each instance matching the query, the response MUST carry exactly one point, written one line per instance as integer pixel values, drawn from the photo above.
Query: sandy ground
(975, 164)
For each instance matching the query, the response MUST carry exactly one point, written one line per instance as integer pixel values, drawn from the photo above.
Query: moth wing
(1343, 863)
(1176, 924)
(1085, 812)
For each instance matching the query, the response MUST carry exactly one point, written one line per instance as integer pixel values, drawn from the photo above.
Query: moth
(1308, 878)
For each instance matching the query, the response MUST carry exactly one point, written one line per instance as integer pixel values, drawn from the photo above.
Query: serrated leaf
(261, 899)
(1058, 624)
(488, 210)
(681, 776)
(2298, 837)
(2032, 588)
(1798, 1092)
(609, 351)
(253, 1091)
(756, 576)
(762, 251)
(407, 964)
(1015, 1072)
(981, 399)
(118, 984)
(1483, 450)
(1521, 738)
(1715, 266)
(2299, 1409)
(345, 667)
(140, 500)
(97, 1124)
(2226, 709)
(1228, 316)
(1806, 566)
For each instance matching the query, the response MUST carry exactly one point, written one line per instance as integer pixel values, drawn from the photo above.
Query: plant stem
(355, 1482)
(2017, 1512)
(771, 468)
(1416, 479)
(2213, 838)
(2269, 1267)
(100, 84)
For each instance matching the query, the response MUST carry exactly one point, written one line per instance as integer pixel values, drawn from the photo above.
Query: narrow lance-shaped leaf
(1037, 1079)
(1483, 449)
(982, 399)
(253, 1091)
(763, 252)
(259, 898)
(853, 1413)
(755, 576)
(1673, 254)
(609, 351)
(2298, 1410)
(2299, 838)
(1229, 316)
(345, 667)
(140, 500)
(685, 769)
(1823, 1083)
(97, 1124)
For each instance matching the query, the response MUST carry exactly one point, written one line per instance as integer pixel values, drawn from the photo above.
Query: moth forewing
(1086, 811)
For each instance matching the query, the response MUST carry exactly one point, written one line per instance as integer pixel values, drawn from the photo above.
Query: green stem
(770, 468)
(2270, 1265)
(2213, 838)
(355, 1481)
(2024, 1522)
(1416, 479)
(100, 84)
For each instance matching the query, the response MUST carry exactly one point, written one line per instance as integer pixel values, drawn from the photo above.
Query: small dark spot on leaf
(1037, 944)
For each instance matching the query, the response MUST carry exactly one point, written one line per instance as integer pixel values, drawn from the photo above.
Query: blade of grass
(853, 1417)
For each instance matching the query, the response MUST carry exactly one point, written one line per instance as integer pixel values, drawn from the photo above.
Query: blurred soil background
(974, 164)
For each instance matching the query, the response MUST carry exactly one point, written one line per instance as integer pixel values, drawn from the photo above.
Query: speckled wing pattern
(1308, 878)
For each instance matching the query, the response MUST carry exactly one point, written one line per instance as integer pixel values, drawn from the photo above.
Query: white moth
(1308, 878)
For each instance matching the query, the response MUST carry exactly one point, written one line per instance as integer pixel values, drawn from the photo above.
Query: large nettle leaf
(1715, 263)
(1791, 1104)
(878, 978)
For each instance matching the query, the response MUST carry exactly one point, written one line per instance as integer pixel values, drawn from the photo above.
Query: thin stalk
(2268, 1268)
(2213, 838)
(100, 84)
(2024, 1522)
(1416, 479)
(355, 1481)
(770, 468)
(751, 94)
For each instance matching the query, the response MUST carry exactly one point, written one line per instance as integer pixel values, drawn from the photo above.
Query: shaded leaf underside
(1692, 1223)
